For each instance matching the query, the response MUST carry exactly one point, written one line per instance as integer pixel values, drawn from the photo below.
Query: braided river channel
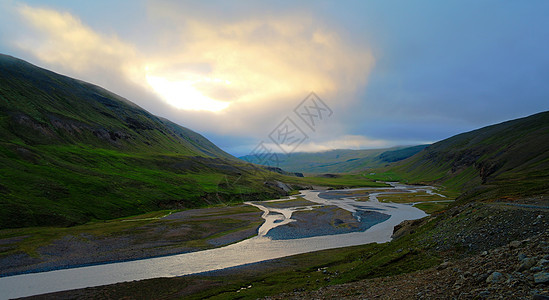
(314, 220)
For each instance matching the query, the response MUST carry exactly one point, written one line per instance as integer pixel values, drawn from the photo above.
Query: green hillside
(510, 159)
(71, 152)
(341, 160)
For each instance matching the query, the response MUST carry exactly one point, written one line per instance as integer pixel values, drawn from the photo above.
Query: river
(256, 249)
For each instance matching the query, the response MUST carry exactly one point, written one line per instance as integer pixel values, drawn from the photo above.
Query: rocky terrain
(518, 270)
(490, 251)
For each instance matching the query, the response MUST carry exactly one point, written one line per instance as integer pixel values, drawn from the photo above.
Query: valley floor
(480, 250)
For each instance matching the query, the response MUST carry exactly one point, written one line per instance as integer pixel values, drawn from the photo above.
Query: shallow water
(253, 250)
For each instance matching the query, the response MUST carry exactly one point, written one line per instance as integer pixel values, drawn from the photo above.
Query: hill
(71, 152)
(341, 160)
(510, 159)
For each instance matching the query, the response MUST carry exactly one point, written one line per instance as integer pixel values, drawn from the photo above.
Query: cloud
(270, 61)
(61, 39)
(236, 76)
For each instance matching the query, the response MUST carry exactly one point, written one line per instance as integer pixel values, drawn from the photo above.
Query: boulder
(495, 277)
(541, 277)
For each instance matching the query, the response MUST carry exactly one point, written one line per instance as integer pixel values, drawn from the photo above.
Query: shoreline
(248, 251)
(378, 233)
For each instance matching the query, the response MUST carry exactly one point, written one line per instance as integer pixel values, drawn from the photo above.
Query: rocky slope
(492, 251)
(519, 270)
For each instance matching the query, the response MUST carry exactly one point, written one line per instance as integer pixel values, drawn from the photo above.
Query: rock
(540, 297)
(535, 269)
(521, 256)
(495, 277)
(443, 266)
(541, 277)
(484, 294)
(514, 244)
(527, 263)
(543, 263)
(481, 278)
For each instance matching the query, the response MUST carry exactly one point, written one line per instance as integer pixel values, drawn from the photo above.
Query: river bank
(170, 232)
(450, 254)
(151, 235)
(256, 249)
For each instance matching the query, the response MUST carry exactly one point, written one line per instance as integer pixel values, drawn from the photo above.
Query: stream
(256, 249)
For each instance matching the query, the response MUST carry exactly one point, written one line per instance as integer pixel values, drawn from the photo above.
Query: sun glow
(183, 94)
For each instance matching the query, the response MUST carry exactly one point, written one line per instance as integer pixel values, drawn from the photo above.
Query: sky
(299, 75)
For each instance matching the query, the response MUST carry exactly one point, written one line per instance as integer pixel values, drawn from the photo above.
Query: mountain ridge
(340, 160)
(508, 159)
(127, 120)
(71, 152)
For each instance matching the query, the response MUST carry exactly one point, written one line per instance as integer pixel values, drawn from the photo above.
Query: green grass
(383, 176)
(432, 207)
(429, 203)
(36, 237)
(409, 197)
(299, 201)
(510, 159)
(72, 184)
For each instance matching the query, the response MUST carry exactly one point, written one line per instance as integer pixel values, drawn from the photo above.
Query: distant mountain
(510, 159)
(71, 151)
(341, 160)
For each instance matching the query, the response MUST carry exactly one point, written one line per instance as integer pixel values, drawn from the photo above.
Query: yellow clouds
(184, 95)
(63, 40)
(222, 74)
(342, 142)
(266, 60)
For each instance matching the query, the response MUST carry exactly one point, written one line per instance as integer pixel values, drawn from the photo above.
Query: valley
(353, 223)
(100, 198)
(340, 160)
(448, 253)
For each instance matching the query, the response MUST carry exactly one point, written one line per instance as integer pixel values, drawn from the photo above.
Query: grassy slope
(72, 152)
(341, 160)
(510, 159)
